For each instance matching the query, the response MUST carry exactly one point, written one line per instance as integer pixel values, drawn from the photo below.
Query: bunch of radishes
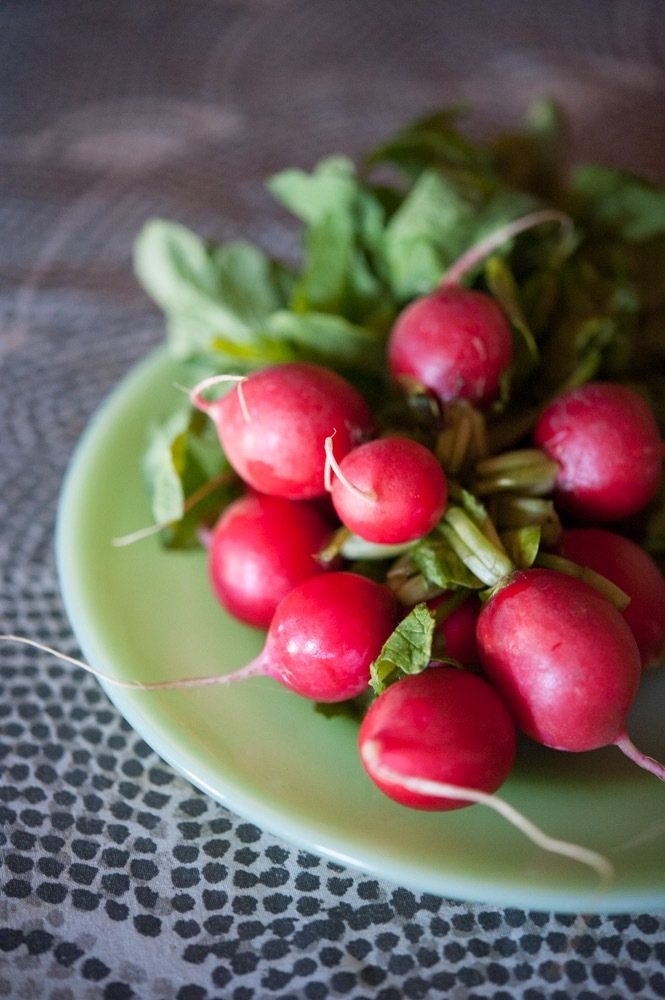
(546, 632)
(541, 650)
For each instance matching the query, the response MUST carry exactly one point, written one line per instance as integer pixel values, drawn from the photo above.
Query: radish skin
(443, 724)
(455, 342)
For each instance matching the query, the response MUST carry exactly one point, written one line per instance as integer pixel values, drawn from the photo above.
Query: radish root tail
(626, 745)
(199, 401)
(332, 467)
(424, 786)
(255, 668)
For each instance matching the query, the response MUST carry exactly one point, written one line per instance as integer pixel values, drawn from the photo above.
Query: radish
(322, 640)
(564, 660)
(388, 491)
(632, 569)
(272, 425)
(607, 447)
(457, 627)
(454, 341)
(443, 724)
(443, 739)
(260, 548)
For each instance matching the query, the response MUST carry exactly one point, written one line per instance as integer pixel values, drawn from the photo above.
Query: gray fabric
(119, 879)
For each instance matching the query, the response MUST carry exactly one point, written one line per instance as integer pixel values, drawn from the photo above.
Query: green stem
(609, 590)
(527, 471)
(481, 556)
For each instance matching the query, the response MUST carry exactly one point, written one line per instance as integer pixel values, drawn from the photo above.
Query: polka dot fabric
(119, 880)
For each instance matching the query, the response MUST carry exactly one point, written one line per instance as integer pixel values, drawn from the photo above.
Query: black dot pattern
(118, 879)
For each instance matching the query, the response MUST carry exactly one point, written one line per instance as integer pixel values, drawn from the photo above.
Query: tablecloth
(119, 878)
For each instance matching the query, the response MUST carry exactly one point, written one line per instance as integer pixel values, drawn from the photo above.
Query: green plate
(144, 613)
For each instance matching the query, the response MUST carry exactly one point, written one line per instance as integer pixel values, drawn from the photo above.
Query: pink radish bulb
(455, 341)
(607, 444)
(632, 569)
(273, 424)
(564, 660)
(459, 629)
(326, 633)
(260, 548)
(321, 643)
(442, 725)
(388, 491)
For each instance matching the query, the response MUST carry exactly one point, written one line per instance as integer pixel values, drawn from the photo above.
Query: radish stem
(205, 405)
(476, 254)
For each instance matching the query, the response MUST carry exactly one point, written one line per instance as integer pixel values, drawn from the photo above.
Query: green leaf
(621, 202)
(522, 544)
(437, 221)
(502, 284)
(187, 475)
(206, 292)
(406, 651)
(441, 566)
(595, 323)
(433, 142)
(163, 467)
(311, 197)
(531, 158)
(329, 339)
(344, 227)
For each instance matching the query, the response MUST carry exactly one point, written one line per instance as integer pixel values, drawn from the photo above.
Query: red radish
(564, 660)
(458, 628)
(388, 491)
(455, 342)
(632, 569)
(607, 444)
(322, 640)
(273, 424)
(444, 739)
(260, 548)
(445, 725)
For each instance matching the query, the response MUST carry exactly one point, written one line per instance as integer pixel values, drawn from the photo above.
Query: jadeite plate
(144, 613)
